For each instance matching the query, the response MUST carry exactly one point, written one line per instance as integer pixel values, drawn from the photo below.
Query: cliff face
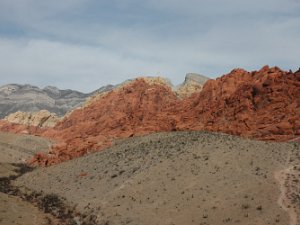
(137, 108)
(263, 105)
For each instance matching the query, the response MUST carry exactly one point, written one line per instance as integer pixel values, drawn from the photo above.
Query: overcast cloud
(84, 44)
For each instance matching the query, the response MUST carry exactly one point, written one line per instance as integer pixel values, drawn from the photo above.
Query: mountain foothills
(146, 152)
(178, 178)
(28, 98)
(263, 105)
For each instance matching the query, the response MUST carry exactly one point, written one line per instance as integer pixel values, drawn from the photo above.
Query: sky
(85, 44)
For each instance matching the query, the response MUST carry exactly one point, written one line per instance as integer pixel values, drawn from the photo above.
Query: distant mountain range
(28, 98)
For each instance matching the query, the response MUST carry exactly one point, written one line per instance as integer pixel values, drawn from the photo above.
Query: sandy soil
(19, 148)
(173, 178)
(7, 170)
(14, 210)
(289, 180)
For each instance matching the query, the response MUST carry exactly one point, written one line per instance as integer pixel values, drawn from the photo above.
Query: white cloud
(28, 10)
(84, 68)
(205, 36)
(198, 7)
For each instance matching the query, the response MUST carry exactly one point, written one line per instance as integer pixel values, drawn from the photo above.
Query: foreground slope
(15, 149)
(19, 148)
(14, 211)
(177, 178)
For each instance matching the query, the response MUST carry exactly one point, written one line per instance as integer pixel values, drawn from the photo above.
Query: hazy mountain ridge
(29, 98)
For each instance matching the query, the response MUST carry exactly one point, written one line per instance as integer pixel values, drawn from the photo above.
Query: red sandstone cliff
(263, 104)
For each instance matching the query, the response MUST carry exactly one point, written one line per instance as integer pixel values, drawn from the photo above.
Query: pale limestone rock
(41, 118)
(193, 83)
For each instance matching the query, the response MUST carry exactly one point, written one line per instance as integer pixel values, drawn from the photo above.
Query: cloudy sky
(84, 44)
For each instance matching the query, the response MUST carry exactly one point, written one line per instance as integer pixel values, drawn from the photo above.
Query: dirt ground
(19, 148)
(175, 178)
(13, 209)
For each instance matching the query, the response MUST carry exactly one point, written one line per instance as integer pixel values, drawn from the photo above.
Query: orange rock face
(136, 109)
(263, 105)
(6, 126)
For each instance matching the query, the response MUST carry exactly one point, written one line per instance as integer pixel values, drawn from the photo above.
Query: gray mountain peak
(28, 98)
(194, 77)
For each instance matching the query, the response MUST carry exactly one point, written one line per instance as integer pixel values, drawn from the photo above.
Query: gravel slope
(15, 149)
(14, 211)
(173, 178)
(18, 148)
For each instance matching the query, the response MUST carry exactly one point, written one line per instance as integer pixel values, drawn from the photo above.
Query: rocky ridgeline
(25, 104)
(28, 98)
(263, 105)
(193, 83)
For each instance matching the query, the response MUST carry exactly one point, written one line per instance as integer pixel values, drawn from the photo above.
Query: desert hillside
(162, 163)
(19, 148)
(263, 105)
(177, 178)
(152, 112)
(14, 151)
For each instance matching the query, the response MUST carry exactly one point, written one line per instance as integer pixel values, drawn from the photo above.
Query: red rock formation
(136, 109)
(263, 105)
(6, 126)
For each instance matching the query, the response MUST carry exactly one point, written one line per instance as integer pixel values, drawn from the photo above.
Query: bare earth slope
(176, 178)
(14, 210)
(19, 148)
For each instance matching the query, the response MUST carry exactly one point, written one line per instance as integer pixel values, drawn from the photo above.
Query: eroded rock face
(100, 94)
(262, 104)
(41, 118)
(193, 83)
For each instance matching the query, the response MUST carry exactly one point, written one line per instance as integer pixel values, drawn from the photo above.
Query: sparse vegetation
(136, 179)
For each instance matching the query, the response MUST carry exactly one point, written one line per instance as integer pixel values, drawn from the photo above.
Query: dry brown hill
(178, 178)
